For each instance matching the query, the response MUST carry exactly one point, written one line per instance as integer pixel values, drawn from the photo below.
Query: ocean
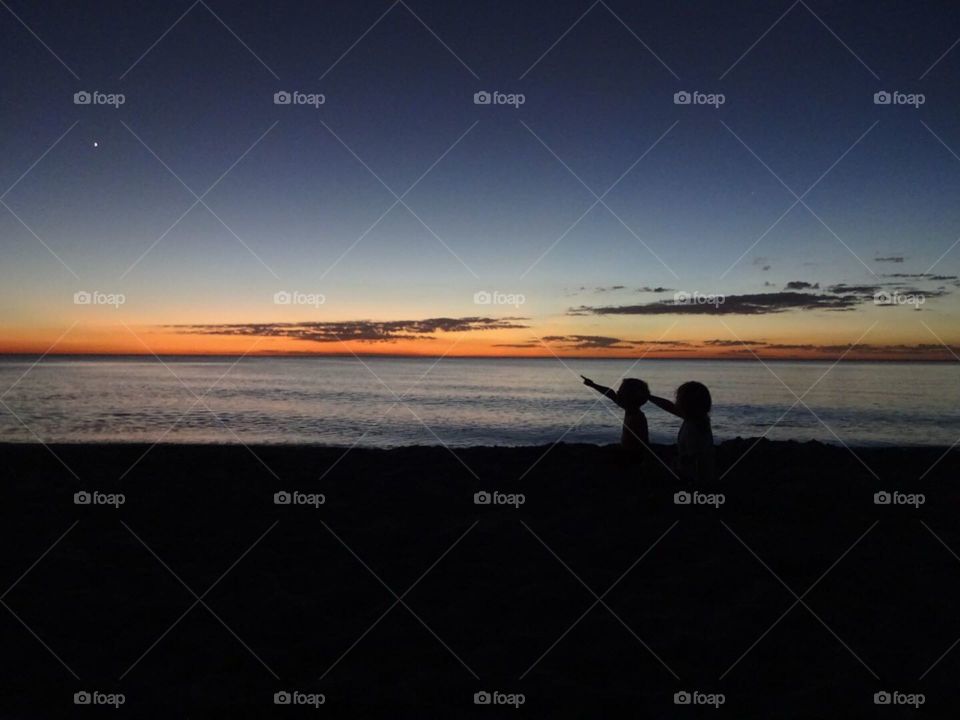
(388, 402)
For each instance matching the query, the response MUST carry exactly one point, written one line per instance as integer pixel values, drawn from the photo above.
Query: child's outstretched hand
(586, 380)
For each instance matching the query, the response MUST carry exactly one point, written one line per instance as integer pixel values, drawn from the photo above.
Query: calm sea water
(388, 401)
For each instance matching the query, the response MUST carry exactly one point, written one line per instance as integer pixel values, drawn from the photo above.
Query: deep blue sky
(799, 99)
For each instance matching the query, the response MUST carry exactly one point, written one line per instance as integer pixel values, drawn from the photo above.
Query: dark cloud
(750, 304)
(603, 342)
(862, 291)
(658, 289)
(920, 276)
(732, 343)
(802, 285)
(892, 259)
(762, 263)
(357, 330)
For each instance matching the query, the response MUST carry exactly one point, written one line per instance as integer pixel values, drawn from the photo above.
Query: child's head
(633, 393)
(693, 400)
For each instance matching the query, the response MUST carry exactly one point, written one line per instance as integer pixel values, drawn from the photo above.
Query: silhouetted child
(695, 452)
(631, 395)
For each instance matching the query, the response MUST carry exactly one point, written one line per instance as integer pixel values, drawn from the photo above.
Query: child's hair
(633, 392)
(694, 401)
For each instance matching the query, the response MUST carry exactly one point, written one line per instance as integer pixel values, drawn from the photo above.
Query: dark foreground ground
(798, 597)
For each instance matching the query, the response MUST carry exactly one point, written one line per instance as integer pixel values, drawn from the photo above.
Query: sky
(787, 210)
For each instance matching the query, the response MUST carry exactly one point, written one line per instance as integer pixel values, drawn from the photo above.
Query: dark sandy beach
(699, 597)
